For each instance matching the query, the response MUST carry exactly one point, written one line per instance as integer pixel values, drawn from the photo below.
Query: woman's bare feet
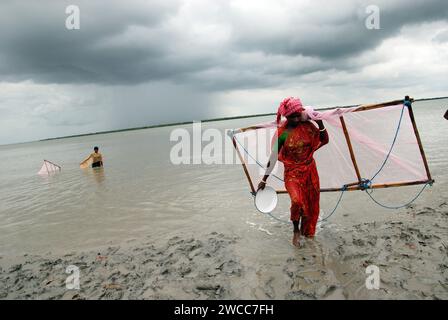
(296, 239)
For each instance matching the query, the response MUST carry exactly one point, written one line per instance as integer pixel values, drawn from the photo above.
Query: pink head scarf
(289, 106)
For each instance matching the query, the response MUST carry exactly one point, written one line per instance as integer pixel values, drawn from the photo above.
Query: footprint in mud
(318, 273)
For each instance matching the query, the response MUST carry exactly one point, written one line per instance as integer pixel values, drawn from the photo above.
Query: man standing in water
(97, 158)
(297, 140)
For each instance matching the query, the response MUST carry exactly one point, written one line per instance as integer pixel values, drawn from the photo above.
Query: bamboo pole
(244, 165)
(380, 105)
(352, 184)
(362, 107)
(420, 146)
(375, 186)
(398, 184)
(350, 148)
(250, 128)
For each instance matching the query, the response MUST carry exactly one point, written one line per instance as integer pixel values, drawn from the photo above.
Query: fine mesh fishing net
(86, 164)
(49, 168)
(373, 146)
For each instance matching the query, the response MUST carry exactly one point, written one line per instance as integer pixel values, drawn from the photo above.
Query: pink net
(49, 168)
(371, 133)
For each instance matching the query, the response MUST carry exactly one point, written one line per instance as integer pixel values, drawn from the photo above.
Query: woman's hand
(320, 124)
(261, 185)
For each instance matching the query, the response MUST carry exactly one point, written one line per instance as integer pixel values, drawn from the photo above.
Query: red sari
(301, 177)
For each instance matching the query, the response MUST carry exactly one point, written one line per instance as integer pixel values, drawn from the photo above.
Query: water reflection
(99, 175)
(95, 174)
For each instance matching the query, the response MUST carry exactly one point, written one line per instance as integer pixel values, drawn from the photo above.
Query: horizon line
(161, 125)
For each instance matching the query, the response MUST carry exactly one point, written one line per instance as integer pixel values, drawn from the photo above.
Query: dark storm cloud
(338, 30)
(36, 45)
(131, 42)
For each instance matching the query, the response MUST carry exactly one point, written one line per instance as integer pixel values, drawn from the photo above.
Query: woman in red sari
(297, 140)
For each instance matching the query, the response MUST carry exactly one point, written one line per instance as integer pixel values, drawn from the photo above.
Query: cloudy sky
(136, 63)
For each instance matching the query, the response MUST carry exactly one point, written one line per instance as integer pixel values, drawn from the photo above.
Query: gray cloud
(36, 45)
(442, 36)
(337, 30)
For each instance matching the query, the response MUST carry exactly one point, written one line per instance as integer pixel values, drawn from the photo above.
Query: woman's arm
(269, 167)
(272, 159)
(323, 134)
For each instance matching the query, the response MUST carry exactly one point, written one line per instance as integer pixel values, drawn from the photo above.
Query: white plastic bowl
(266, 200)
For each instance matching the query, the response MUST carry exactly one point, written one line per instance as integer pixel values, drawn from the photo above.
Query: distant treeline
(207, 120)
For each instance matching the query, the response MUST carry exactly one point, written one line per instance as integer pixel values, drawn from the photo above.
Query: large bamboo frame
(354, 185)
